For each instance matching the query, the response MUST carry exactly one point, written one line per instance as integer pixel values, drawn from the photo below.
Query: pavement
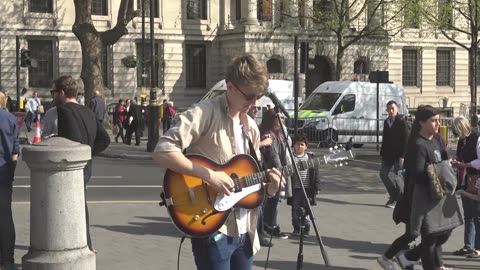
(355, 229)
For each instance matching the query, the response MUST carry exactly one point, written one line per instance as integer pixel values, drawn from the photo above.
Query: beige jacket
(207, 129)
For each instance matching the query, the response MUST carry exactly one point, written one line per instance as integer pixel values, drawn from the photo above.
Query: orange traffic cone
(37, 137)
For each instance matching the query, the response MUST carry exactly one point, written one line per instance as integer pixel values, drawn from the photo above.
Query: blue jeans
(470, 238)
(221, 252)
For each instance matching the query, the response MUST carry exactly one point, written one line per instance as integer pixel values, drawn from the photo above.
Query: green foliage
(129, 61)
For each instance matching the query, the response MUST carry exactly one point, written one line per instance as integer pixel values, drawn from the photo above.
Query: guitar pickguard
(224, 203)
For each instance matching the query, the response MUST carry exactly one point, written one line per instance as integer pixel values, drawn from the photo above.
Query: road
(118, 180)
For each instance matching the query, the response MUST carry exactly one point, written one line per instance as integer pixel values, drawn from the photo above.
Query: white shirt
(239, 141)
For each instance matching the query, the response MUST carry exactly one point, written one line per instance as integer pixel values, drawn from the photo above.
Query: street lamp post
(153, 133)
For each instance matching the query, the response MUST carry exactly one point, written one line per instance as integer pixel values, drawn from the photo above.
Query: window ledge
(100, 18)
(37, 15)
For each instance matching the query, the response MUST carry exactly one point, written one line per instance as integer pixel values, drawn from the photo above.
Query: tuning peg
(335, 147)
(341, 164)
(335, 165)
(346, 163)
(330, 149)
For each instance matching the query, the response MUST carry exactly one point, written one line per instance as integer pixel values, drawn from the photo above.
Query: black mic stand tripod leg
(302, 234)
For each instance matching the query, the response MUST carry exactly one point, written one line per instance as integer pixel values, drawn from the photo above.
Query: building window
(321, 9)
(444, 67)
(264, 10)
(196, 65)
(197, 9)
(99, 7)
(42, 52)
(361, 66)
(238, 9)
(156, 10)
(410, 67)
(412, 15)
(40, 6)
(106, 56)
(445, 14)
(274, 65)
(159, 64)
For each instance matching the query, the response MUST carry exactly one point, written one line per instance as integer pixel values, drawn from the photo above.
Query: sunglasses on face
(250, 97)
(257, 108)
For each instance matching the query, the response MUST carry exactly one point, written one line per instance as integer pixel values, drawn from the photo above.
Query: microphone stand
(302, 234)
(308, 209)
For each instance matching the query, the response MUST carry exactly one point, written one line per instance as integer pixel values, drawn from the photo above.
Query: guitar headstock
(338, 156)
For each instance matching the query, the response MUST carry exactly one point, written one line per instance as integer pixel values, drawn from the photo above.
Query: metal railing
(327, 132)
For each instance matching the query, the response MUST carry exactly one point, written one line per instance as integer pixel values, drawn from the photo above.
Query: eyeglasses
(248, 97)
(257, 108)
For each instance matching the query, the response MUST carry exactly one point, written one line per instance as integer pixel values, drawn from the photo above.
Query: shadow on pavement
(306, 265)
(324, 200)
(161, 226)
(337, 243)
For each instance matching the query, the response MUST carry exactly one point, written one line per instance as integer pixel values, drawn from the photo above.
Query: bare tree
(352, 21)
(93, 42)
(453, 18)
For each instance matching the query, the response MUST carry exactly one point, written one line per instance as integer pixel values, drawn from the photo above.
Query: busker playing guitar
(219, 129)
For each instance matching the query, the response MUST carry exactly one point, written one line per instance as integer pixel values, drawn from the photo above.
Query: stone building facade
(195, 39)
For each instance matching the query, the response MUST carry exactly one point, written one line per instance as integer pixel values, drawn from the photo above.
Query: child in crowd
(311, 181)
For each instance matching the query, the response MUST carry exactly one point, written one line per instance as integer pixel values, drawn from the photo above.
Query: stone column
(249, 12)
(58, 238)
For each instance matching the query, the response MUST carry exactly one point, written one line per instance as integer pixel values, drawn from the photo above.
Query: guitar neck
(288, 170)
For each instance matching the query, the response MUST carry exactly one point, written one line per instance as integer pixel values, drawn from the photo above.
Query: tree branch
(124, 17)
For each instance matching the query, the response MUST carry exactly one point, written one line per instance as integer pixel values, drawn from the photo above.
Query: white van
(283, 89)
(338, 110)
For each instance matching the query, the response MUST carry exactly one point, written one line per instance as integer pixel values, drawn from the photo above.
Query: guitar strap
(253, 153)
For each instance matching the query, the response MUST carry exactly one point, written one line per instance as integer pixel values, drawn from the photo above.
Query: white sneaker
(385, 263)
(446, 268)
(403, 261)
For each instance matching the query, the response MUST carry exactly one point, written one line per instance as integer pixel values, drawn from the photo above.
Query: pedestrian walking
(9, 147)
(119, 119)
(431, 217)
(34, 110)
(220, 129)
(468, 153)
(394, 141)
(167, 113)
(98, 106)
(78, 123)
(132, 120)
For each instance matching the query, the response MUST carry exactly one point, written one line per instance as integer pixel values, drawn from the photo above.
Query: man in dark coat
(393, 149)
(9, 148)
(78, 123)
(134, 116)
(98, 106)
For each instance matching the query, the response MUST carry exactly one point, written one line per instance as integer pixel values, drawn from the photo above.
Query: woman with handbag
(468, 152)
(434, 208)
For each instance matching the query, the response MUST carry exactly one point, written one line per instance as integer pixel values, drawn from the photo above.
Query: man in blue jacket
(9, 148)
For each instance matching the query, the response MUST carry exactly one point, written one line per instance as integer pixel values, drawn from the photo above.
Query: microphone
(276, 102)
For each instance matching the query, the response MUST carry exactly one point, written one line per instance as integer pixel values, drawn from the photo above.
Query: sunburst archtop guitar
(198, 210)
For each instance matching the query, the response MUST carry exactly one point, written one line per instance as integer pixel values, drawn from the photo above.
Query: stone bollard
(58, 238)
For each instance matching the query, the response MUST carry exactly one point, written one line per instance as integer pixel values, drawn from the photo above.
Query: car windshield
(320, 101)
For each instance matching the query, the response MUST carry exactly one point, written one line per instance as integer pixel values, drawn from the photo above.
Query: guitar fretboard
(260, 177)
